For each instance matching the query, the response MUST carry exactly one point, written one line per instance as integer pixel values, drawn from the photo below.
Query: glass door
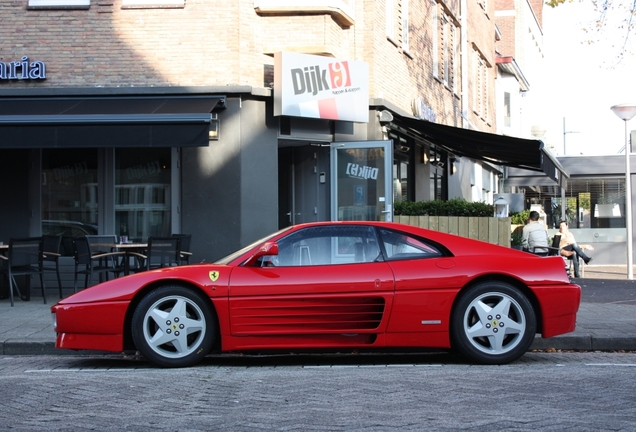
(361, 181)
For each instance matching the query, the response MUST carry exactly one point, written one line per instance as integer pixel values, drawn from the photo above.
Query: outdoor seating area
(93, 255)
(555, 250)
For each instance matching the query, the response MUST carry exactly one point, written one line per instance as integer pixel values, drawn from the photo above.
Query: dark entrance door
(303, 184)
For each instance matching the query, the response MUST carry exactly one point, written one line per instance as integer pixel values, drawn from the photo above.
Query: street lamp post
(626, 112)
(565, 132)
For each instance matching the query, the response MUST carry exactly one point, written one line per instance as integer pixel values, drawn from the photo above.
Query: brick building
(151, 117)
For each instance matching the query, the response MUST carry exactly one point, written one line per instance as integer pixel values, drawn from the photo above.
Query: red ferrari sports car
(331, 285)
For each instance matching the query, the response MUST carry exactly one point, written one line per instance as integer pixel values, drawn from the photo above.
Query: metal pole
(628, 208)
(626, 112)
(564, 135)
(563, 205)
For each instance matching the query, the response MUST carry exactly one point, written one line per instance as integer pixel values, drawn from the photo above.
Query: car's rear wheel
(492, 323)
(174, 326)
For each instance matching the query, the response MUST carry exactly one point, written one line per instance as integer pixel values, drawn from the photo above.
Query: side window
(399, 245)
(328, 245)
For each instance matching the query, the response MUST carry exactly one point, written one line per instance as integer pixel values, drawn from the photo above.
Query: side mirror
(268, 248)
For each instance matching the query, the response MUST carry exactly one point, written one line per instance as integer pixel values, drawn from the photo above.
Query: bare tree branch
(611, 15)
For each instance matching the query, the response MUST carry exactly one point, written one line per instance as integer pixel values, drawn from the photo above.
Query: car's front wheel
(492, 323)
(174, 326)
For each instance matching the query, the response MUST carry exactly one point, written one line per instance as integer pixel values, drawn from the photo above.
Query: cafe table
(130, 249)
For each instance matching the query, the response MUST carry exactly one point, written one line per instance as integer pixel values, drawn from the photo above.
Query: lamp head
(624, 111)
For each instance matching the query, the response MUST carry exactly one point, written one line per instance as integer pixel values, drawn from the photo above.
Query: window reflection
(437, 176)
(69, 194)
(326, 246)
(361, 184)
(142, 193)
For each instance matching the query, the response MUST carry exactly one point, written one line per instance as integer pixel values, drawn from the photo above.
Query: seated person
(535, 235)
(570, 249)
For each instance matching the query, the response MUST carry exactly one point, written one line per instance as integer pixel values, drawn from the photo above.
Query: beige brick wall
(207, 43)
(506, 46)
(505, 19)
(481, 37)
(401, 77)
(220, 42)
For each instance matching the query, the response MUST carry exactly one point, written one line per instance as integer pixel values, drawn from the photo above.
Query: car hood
(125, 288)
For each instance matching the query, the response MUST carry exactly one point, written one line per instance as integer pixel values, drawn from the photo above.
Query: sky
(581, 82)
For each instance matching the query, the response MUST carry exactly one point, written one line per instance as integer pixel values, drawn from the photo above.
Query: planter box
(489, 229)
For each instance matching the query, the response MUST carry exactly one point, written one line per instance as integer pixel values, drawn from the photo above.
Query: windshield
(228, 259)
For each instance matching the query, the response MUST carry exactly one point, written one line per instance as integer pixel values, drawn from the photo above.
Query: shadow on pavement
(124, 361)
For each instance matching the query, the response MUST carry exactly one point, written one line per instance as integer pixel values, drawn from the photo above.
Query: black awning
(68, 122)
(496, 149)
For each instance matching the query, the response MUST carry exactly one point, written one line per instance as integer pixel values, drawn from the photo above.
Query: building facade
(145, 118)
(519, 67)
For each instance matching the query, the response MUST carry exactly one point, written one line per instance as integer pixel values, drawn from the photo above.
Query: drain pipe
(464, 48)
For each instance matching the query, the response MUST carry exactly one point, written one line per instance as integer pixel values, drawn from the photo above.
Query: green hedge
(519, 218)
(452, 207)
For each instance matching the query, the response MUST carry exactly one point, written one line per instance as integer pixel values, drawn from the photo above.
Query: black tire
(492, 323)
(178, 339)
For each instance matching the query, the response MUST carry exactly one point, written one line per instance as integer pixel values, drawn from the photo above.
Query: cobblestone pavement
(542, 391)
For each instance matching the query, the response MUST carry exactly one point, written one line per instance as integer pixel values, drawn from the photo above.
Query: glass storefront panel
(142, 193)
(594, 208)
(401, 190)
(437, 176)
(361, 183)
(69, 194)
(361, 180)
(590, 202)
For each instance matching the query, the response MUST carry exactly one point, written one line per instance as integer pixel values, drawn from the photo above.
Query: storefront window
(594, 208)
(361, 180)
(401, 180)
(437, 176)
(69, 194)
(590, 203)
(142, 193)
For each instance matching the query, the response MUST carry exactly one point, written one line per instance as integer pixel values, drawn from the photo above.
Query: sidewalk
(27, 328)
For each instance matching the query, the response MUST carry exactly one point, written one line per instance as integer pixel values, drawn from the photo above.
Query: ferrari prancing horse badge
(214, 275)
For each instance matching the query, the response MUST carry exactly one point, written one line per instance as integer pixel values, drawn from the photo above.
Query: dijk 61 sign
(321, 87)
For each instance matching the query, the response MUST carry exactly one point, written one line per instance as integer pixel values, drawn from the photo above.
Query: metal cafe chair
(554, 250)
(100, 263)
(24, 259)
(161, 252)
(184, 248)
(551, 250)
(51, 258)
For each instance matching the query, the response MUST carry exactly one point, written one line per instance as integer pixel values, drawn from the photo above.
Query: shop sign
(22, 70)
(423, 111)
(321, 87)
(362, 172)
(67, 172)
(138, 172)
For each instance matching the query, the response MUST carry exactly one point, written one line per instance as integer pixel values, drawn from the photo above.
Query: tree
(611, 14)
